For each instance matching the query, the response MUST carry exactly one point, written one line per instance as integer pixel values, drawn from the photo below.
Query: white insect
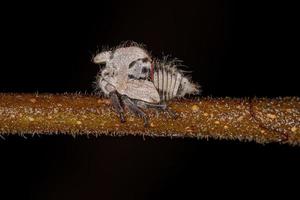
(131, 77)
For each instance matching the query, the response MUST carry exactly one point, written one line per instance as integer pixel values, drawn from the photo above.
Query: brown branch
(262, 120)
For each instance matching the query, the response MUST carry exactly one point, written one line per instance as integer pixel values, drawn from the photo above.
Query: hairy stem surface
(259, 119)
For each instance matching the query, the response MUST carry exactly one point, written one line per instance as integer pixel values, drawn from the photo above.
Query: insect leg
(117, 105)
(135, 109)
(160, 107)
(171, 113)
(143, 104)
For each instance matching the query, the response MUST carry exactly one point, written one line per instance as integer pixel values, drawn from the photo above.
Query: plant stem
(259, 119)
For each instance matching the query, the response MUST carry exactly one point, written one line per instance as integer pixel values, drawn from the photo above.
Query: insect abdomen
(171, 83)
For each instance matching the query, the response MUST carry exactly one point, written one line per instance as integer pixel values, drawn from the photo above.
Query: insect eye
(144, 70)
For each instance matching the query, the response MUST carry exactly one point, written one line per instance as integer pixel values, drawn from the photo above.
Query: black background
(234, 49)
